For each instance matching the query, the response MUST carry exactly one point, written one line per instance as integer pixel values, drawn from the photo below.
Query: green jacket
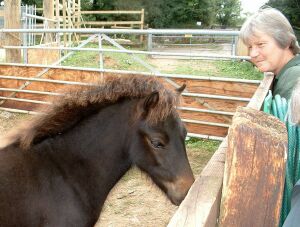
(287, 78)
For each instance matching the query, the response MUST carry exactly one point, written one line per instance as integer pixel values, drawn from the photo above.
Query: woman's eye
(157, 144)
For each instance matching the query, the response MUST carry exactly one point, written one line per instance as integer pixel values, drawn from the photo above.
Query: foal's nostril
(176, 201)
(179, 189)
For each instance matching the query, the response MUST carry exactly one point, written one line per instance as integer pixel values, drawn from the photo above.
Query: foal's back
(34, 191)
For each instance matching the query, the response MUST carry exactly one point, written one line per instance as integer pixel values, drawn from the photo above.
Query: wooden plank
(206, 129)
(109, 22)
(227, 88)
(64, 14)
(12, 19)
(42, 56)
(254, 170)
(48, 12)
(112, 12)
(202, 203)
(262, 91)
(212, 104)
(241, 48)
(210, 117)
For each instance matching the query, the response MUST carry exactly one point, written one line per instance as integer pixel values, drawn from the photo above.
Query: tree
(227, 12)
(158, 13)
(38, 3)
(290, 8)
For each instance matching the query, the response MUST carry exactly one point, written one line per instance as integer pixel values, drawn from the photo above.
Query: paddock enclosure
(201, 206)
(32, 70)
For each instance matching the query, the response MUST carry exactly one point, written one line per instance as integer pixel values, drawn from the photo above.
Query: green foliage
(166, 13)
(227, 12)
(231, 69)
(112, 60)
(209, 145)
(38, 3)
(242, 70)
(290, 8)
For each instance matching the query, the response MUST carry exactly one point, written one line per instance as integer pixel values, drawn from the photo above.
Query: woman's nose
(253, 52)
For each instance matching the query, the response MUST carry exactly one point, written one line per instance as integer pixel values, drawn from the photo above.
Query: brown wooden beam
(254, 170)
(12, 19)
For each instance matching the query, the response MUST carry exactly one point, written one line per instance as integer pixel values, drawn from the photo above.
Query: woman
(273, 47)
(293, 217)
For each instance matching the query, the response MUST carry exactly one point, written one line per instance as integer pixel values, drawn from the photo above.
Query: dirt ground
(135, 200)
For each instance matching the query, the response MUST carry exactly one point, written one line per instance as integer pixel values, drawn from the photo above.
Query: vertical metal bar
(57, 23)
(34, 24)
(25, 35)
(235, 44)
(28, 22)
(100, 52)
(64, 22)
(30, 25)
(149, 46)
(142, 24)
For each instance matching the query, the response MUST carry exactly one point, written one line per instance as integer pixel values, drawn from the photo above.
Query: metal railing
(103, 35)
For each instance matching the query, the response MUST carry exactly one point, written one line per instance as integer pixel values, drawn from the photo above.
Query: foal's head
(158, 147)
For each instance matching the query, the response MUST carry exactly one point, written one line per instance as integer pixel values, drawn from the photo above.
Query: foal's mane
(78, 104)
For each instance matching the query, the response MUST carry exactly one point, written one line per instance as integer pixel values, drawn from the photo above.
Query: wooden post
(142, 23)
(12, 19)
(254, 170)
(79, 14)
(241, 48)
(64, 20)
(48, 10)
(79, 17)
(57, 17)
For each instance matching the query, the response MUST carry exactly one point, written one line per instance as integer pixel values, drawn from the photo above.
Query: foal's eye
(157, 144)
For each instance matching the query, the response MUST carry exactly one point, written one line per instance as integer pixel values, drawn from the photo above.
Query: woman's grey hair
(294, 105)
(273, 23)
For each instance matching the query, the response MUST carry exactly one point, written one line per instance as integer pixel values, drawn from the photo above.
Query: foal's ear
(181, 89)
(151, 101)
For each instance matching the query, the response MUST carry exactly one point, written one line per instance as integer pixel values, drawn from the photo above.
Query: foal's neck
(94, 154)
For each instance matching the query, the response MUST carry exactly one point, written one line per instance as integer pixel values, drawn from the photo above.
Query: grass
(232, 69)
(209, 145)
(112, 60)
(199, 152)
(242, 70)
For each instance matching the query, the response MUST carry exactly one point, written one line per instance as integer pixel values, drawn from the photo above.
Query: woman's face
(266, 54)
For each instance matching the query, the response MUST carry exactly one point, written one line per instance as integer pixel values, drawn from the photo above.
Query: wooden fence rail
(207, 107)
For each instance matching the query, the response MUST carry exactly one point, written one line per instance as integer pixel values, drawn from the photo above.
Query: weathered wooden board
(254, 170)
(12, 11)
(206, 129)
(42, 56)
(202, 116)
(212, 103)
(215, 87)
